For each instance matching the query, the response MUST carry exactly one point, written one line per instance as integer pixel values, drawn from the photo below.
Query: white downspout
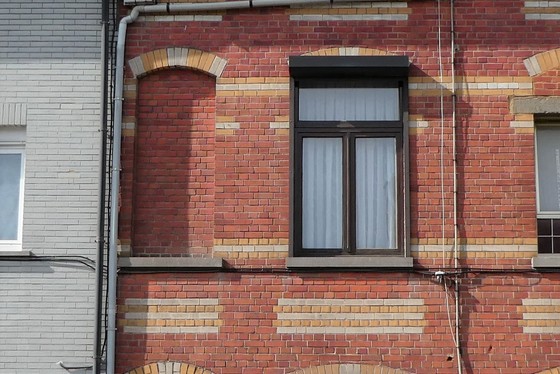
(117, 131)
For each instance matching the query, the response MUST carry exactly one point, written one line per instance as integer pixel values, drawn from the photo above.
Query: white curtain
(376, 193)
(322, 193)
(348, 104)
(10, 179)
(548, 161)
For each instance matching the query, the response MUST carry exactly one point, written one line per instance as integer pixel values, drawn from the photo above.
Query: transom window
(348, 157)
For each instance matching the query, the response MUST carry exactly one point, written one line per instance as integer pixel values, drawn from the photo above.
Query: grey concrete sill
(175, 263)
(350, 262)
(548, 262)
(15, 254)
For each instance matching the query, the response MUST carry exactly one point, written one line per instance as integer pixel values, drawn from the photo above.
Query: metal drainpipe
(117, 128)
(455, 217)
(97, 354)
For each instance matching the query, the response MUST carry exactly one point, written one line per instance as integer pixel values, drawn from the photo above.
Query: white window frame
(12, 141)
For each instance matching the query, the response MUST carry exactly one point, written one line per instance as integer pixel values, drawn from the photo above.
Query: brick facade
(206, 173)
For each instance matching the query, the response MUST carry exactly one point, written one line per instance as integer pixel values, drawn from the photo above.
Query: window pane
(10, 179)
(349, 104)
(375, 193)
(548, 158)
(322, 193)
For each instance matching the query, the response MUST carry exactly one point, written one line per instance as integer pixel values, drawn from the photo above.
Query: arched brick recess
(555, 370)
(189, 58)
(349, 51)
(349, 369)
(543, 62)
(169, 368)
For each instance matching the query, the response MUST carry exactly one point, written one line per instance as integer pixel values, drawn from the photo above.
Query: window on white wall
(12, 166)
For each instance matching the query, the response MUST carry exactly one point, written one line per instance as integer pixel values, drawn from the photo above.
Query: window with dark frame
(547, 144)
(348, 155)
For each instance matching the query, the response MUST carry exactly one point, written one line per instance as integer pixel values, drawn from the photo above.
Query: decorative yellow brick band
(217, 17)
(540, 316)
(353, 11)
(173, 316)
(349, 369)
(237, 242)
(177, 57)
(350, 316)
(250, 87)
(471, 86)
(169, 367)
(251, 251)
(541, 10)
(476, 241)
(543, 62)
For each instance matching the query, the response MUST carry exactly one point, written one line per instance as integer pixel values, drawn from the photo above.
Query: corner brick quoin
(189, 58)
(182, 368)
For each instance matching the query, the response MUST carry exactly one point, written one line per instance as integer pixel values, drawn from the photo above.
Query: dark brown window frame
(548, 223)
(379, 72)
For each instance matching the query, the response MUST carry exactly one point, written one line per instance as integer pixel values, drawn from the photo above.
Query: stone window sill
(351, 262)
(170, 263)
(547, 262)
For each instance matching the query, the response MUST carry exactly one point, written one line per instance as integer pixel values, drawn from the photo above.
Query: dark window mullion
(346, 175)
(351, 183)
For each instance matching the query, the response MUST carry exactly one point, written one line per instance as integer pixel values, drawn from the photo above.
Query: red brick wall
(231, 187)
(174, 165)
(493, 340)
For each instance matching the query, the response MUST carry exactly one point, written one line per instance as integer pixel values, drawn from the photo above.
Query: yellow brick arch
(555, 370)
(349, 369)
(169, 367)
(348, 51)
(177, 57)
(543, 62)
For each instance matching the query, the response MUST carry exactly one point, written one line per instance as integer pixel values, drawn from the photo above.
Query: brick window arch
(349, 369)
(168, 367)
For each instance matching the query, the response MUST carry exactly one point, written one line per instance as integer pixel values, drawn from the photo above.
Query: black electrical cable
(88, 262)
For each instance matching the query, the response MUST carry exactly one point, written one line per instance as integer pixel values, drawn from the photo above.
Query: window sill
(547, 262)
(15, 254)
(350, 262)
(170, 263)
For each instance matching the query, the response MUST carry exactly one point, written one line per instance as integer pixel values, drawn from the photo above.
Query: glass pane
(555, 227)
(376, 208)
(548, 158)
(544, 227)
(349, 104)
(10, 179)
(556, 244)
(322, 193)
(545, 245)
